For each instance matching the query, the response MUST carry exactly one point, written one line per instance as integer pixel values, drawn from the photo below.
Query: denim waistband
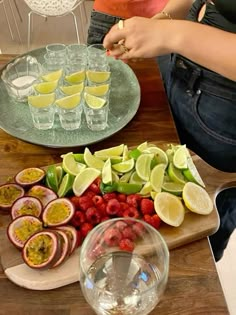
(200, 78)
(104, 17)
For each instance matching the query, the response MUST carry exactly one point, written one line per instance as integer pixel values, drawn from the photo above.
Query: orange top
(129, 8)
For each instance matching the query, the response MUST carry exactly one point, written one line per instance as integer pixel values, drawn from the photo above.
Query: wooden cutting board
(193, 228)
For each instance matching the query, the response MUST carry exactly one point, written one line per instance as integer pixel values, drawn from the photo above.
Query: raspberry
(86, 228)
(88, 193)
(127, 245)
(85, 202)
(97, 251)
(93, 215)
(128, 232)
(78, 219)
(131, 212)
(105, 218)
(109, 196)
(102, 209)
(138, 229)
(147, 206)
(79, 238)
(112, 237)
(133, 200)
(94, 188)
(97, 181)
(156, 221)
(123, 206)
(97, 200)
(120, 225)
(121, 197)
(113, 207)
(147, 218)
(75, 201)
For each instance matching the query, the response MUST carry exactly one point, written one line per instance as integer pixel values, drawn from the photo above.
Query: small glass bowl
(20, 76)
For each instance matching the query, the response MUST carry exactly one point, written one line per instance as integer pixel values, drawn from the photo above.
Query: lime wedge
(160, 155)
(135, 179)
(125, 155)
(51, 177)
(113, 151)
(72, 89)
(157, 177)
(124, 166)
(126, 188)
(94, 101)
(84, 179)
(99, 90)
(169, 208)
(180, 157)
(43, 100)
(46, 87)
(192, 173)
(92, 161)
(60, 173)
(142, 146)
(173, 188)
(143, 166)
(107, 172)
(125, 177)
(66, 185)
(98, 76)
(175, 174)
(70, 166)
(76, 77)
(146, 190)
(69, 102)
(52, 76)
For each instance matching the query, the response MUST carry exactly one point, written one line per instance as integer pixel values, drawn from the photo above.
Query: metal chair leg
(8, 22)
(14, 18)
(76, 27)
(29, 29)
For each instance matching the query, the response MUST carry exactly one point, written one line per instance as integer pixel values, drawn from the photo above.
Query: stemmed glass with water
(124, 266)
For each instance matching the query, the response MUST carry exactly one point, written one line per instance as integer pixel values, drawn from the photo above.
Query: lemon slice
(94, 101)
(46, 87)
(69, 102)
(98, 76)
(173, 188)
(92, 161)
(124, 167)
(110, 152)
(107, 172)
(76, 77)
(197, 199)
(180, 157)
(192, 173)
(66, 185)
(169, 208)
(43, 100)
(70, 166)
(84, 179)
(52, 76)
(175, 174)
(157, 177)
(99, 90)
(143, 166)
(72, 89)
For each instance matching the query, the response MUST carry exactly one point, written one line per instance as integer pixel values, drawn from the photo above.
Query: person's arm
(146, 38)
(175, 9)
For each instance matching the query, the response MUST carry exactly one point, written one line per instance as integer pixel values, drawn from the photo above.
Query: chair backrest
(52, 7)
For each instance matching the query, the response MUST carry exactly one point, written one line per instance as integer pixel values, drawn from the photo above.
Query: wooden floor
(61, 30)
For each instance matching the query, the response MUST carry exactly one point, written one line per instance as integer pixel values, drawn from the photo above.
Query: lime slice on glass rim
(42, 100)
(98, 76)
(72, 89)
(69, 102)
(84, 179)
(76, 77)
(52, 76)
(46, 87)
(94, 102)
(99, 90)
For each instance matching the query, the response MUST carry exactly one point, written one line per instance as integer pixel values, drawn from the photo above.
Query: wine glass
(124, 265)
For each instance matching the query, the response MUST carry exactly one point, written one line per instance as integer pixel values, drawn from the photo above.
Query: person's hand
(139, 38)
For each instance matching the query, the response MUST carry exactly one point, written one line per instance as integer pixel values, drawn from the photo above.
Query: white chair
(2, 2)
(55, 8)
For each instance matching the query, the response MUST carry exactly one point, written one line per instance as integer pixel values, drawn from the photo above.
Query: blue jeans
(100, 25)
(203, 104)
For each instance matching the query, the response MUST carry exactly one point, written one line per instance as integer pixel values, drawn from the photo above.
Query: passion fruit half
(66, 245)
(30, 176)
(22, 228)
(9, 193)
(44, 194)
(72, 234)
(26, 205)
(58, 212)
(42, 250)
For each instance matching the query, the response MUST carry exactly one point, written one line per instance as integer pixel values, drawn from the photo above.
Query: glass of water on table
(120, 274)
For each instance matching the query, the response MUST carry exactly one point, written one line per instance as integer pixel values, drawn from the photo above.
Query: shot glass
(70, 117)
(76, 53)
(98, 75)
(96, 118)
(97, 55)
(43, 115)
(56, 50)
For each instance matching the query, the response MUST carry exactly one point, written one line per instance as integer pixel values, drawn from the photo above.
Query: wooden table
(193, 286)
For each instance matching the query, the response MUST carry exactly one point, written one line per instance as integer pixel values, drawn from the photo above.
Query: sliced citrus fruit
(142, 146)
(160, 155)
(192, 173)
(127, 188)
(125, 155)
(173, 188)
(84, 179)
(113, 151)
(51, 177)
(52, 76)
(157, 177)
(65, 185)
(143, 166)
(98, 76)
(126, 177)
(46, 87)
(79, 157)
(135, 179)
(76, 77)
(72, 89)
(153, 194)
(197, 199)
(92, 161)
(43, 100)
(69, 102)
(180, 157)
(70, 166)
(146, 189)
(135, 153)
(124, 166)
(115, 177)
(93, 101)
(169, 208)
(60, 173)
(107, 172)
(99, 90)
(175, 174)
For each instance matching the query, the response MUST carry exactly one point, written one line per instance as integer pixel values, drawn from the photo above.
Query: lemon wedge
(46, 87)
(76, 77)
(52, 76)
(69, 102)
(99, 90)
(43, 100)
(98, 76)
(93, 101)
(72, 89)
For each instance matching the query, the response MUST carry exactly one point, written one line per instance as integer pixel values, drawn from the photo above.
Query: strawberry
(133, 200)
(113, 207)
(93, 215)
(85, 228)
(131, 212)
(112, 237)
(147, 206)
(127, 245)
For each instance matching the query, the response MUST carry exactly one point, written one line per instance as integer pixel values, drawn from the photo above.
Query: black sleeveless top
(222, 15)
